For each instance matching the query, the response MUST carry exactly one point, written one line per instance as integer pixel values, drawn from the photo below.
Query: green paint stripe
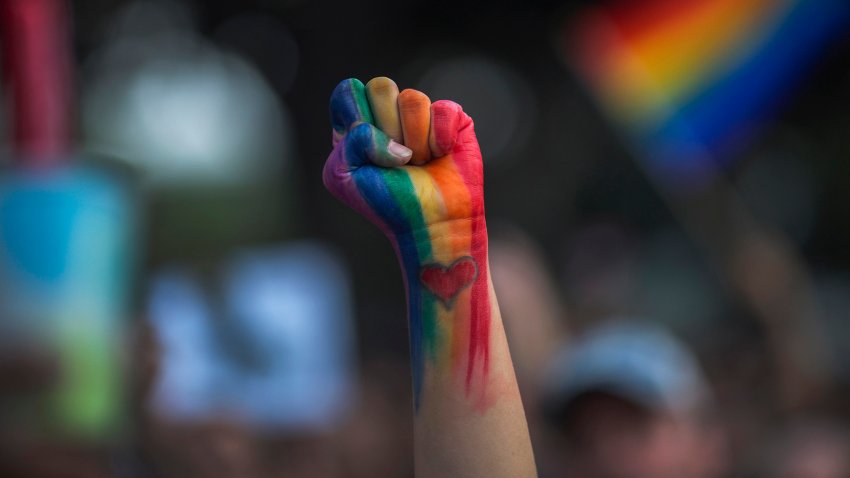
(401, 187)
(359, 92)
(432, 334)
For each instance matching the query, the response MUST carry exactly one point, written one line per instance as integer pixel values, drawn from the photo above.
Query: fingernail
(399, 150)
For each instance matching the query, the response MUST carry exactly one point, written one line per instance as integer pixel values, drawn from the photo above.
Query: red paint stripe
(479, 339)
(450, 122)
(468, 160)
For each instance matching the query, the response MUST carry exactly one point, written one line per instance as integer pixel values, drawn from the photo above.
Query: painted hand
(433, 181)
(414, 169)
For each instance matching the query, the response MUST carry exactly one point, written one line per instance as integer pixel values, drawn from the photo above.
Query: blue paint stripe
(349, 105)
(372, 184)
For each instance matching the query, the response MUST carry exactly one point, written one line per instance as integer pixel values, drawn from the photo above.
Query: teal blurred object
(66, 260)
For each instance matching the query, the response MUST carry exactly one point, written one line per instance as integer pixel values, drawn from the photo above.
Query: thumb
(366, 144)
(363, 145)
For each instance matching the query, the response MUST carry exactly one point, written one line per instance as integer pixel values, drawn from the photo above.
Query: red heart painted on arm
(446, 282)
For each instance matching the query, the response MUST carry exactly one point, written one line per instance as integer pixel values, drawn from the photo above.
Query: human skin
(415, 170)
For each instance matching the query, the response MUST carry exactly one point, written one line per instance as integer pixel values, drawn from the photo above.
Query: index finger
(349, 107)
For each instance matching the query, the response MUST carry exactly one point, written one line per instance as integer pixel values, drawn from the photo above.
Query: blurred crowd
(182, 298)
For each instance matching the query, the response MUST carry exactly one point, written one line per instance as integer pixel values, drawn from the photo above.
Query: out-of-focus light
(278, 355)
(498, 99)
(180, 109)
(293, 310)
(181, 319)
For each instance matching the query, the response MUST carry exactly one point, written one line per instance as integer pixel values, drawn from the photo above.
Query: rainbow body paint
(430, 204)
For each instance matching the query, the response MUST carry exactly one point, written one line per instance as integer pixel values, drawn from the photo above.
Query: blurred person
(600, 272)
(252, 377)
(810, 449)
(630, 401)
(221, 447)
(375, 439)
(27, 372)
(414, 169)
(531, 308)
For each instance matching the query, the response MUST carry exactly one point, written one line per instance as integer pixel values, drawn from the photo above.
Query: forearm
(469, 419)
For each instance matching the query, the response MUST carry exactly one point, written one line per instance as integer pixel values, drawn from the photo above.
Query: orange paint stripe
(450, 184)
(448, 180)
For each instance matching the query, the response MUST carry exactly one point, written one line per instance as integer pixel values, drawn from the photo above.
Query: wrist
(446, 272)
(444, 243)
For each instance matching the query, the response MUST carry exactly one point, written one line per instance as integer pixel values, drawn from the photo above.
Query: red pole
(37, 71)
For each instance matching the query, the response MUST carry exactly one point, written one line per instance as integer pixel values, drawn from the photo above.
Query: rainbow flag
(691, 80)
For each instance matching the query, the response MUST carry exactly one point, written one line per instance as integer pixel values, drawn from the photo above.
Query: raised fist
(414, 169)
(404, 163)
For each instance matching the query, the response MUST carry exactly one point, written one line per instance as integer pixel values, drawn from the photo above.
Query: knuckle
(382, 85)
(362, 131)
(412, 99)
(360, 136)
(447, 105)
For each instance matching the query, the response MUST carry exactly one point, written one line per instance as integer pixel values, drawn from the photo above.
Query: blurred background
(668, 188)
